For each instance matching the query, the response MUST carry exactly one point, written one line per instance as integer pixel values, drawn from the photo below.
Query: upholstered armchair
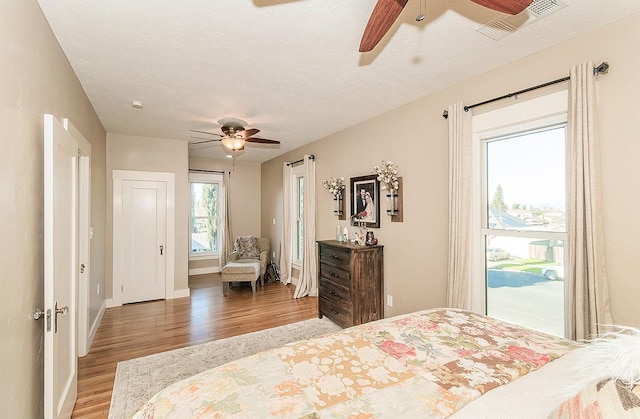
(251, 249)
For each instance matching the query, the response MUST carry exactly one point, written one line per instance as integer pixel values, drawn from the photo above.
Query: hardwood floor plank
(142, 329)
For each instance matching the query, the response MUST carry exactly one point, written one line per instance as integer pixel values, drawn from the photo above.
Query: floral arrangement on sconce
(387, 173)
(334, 186)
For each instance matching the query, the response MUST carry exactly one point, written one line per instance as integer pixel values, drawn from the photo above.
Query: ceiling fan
(234, 136)
(386, 12)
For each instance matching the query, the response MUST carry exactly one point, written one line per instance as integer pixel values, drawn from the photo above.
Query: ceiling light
(233, 143)
(136, 104)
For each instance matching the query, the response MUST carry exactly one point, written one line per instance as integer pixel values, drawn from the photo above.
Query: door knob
(161, 249)
(62, 310)
(82, 266)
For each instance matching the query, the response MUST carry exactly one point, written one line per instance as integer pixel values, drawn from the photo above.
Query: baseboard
(182, 293)
(96, 324)
(202, 271)
(110, 303)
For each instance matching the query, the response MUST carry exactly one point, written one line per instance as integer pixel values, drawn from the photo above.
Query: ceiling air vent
(505, 24)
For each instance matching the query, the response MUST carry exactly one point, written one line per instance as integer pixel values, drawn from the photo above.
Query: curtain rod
(207, 171)
(601, 69)
(312, 157)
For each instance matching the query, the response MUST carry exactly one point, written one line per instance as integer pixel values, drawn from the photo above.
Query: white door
(60, 252)
(144, 248)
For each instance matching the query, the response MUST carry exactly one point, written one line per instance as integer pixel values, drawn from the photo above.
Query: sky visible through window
(530, 169)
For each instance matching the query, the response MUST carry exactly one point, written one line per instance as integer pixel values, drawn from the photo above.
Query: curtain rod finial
(601, 69)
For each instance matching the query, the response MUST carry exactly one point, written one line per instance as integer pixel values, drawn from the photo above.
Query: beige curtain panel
(460, 180)
(308, 282)
(589, 313)
(226, 239)
(285, 244)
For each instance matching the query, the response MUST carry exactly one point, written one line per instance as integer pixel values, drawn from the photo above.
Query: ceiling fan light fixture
(233, 143)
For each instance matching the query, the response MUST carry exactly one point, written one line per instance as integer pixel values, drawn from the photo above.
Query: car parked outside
(553, 273)
(496, 253)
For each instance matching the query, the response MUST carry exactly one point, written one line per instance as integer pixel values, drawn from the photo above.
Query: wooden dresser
(351, 283)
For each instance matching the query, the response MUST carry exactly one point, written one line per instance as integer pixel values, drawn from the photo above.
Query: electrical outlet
(274, 221)
(98, 289)
(274, 254)
(389, 300)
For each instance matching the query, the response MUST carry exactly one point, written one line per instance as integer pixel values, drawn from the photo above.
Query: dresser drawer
(334, 274)
(336, 294)
(335, 256)
(338, 314)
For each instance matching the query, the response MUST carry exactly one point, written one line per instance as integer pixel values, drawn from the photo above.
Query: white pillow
(615, 355)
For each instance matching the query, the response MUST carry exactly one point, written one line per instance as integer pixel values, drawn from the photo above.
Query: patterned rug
(137, 380)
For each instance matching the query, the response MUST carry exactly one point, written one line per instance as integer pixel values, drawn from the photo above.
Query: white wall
(35, 78)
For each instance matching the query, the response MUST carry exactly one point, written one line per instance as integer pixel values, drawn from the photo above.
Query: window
(298, 213)
(204, 234)
(521, 239)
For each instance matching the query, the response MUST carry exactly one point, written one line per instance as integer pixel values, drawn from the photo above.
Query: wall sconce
(394, 203)
(335, 186)
(338, 206)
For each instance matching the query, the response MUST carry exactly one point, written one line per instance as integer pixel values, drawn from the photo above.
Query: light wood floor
(141, 329)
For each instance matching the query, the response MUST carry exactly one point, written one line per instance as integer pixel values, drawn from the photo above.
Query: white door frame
(119, 176)
(60, 272)
(84, 237)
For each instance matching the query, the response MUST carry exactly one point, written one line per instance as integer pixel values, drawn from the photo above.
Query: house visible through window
(522, 235)
(204, 219)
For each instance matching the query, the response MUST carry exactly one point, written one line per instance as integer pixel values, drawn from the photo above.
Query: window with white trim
(520, 204)
(204, 219)
(297, 188)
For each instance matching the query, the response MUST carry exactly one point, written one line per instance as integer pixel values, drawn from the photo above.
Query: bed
(429, 364)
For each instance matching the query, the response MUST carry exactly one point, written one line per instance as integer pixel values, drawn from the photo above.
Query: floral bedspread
(425, 364)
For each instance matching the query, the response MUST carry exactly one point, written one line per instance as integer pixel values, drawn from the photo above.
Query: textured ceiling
(290, 68)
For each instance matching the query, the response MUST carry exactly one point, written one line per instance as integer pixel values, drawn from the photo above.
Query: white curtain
(226, 239)
(589, 312)
(308, 282)
(460, 181)
(285, 244)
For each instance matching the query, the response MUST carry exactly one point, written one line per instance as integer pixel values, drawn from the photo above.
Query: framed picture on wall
(365, 201)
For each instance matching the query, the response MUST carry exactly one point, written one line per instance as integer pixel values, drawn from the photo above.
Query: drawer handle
(332, 274)
(333, 293)
(335, 257)
(334, 312)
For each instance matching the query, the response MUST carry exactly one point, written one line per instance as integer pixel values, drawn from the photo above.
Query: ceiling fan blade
(249, 132)
(512, 7)
(205, 141)
(384, 14)
(205, 132)
(261, 140)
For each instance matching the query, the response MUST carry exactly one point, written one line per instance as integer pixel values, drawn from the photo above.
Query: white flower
(387, 175)
(335, 186)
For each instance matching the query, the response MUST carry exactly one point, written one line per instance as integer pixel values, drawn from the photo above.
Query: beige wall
(415, 137)
(244, 201)
(35, 78)
(151, 155)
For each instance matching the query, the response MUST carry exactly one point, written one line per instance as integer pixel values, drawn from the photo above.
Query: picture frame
(360, 187)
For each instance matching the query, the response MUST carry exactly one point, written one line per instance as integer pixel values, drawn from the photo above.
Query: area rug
(137, 380)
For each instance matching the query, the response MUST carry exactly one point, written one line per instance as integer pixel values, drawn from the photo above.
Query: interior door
(144, 210)
(60, 256)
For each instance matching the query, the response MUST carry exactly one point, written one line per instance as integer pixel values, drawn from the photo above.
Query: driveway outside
(526, 298)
